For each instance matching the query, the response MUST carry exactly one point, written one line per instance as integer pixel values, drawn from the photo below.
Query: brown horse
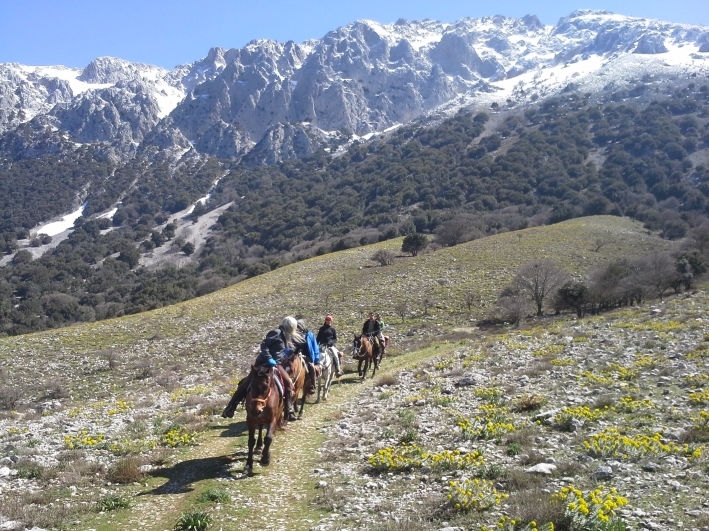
(364, 350)
(295, 367)
(264, 408)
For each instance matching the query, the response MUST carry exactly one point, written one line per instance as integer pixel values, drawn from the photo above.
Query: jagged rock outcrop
(651, 44)
(104, 70)
(121, 114)
(287, 141)
(363, 77)
(23, 95)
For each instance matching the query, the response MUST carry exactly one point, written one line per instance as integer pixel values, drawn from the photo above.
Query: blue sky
(167, 33)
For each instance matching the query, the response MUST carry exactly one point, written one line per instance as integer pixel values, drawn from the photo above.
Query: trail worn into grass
(276, 497)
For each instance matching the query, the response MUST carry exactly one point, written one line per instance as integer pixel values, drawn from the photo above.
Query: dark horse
(264, 408)
(364, 350)
(295, 367)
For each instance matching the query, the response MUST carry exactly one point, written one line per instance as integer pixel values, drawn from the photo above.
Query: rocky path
(276, 497)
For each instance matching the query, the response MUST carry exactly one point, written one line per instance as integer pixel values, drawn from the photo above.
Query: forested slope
(639, 154)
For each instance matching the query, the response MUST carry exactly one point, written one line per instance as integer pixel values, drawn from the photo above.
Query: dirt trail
(272, 499)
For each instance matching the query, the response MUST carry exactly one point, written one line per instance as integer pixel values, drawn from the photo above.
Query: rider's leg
(312, 377)
(336, 361)
(288, 392)
(241, 389)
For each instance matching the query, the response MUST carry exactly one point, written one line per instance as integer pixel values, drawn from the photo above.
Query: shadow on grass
(182, 477)
(235, 429)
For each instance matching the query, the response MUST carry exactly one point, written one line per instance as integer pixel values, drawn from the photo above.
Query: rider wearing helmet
(277, 344)
(327, 336)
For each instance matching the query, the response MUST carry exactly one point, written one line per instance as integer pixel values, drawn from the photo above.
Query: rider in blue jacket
(312, 359)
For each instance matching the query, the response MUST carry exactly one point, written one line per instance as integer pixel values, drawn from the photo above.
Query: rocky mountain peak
(110, 70)
(363, 77)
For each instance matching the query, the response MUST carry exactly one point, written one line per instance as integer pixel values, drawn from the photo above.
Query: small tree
(22, 257)
(427, 302)
(402, 308)
(188, 248)
(660, 273)
(470, 298)
(700, 237)
(514, 304)
(129, 255)
(384, 256)
(413, 243)
(538, 280)
(599, 243)
(573, 295)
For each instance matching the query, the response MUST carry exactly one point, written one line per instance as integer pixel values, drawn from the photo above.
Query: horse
(264, 408)
(364, 350)
(295, 367)
(326, 373)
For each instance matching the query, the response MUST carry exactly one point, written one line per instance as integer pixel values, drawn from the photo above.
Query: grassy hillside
(97, 399)
(227, 325)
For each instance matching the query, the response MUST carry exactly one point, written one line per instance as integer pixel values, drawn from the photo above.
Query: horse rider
(382, 326)
(277, 344)
(373, 328)
(312, 359)
(327, 336)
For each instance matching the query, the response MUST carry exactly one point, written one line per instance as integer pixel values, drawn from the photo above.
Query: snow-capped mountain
(286, 100)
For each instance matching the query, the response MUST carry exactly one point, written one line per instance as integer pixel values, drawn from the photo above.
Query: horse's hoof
(265, 461)
(248, 471)
(258, 448)
(324, 399)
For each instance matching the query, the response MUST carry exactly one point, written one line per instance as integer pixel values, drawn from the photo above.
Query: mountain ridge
(363, 77)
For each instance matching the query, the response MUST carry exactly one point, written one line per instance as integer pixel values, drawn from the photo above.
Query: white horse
(327, 371)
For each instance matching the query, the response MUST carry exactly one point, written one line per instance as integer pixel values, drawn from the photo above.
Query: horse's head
(261, 388)
(288, 362)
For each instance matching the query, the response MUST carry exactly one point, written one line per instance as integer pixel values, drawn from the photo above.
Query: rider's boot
(237, 398)
(289, 412)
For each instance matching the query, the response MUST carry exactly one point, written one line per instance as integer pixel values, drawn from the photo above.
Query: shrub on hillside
(384, 257)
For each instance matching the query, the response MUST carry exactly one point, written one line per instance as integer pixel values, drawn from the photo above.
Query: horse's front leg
(359, 367)
(259, 443)
(249, 468)
(328, 383)
(320, 386)
(366, 368)
(302, 404)
(266, 454)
